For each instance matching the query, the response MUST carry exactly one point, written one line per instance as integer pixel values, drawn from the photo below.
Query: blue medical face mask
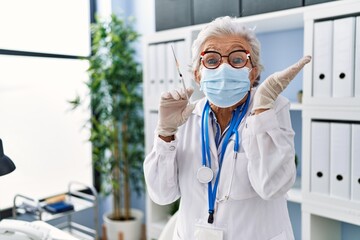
(225, 86)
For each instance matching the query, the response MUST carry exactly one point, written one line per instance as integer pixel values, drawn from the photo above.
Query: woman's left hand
(268, 91)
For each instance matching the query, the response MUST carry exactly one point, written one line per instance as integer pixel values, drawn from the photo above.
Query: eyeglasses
(237, 59)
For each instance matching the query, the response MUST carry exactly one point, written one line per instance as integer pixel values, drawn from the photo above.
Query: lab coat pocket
(281, 236)
(205, 231)
(240, 187)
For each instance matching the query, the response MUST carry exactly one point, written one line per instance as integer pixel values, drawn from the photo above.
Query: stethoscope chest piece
(205, 174)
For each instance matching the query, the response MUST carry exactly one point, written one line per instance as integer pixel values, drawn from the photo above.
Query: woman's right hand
(174, 110)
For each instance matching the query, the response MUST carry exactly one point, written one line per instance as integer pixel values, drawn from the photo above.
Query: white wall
(44, 138)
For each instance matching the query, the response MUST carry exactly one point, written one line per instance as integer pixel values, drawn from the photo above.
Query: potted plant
(116, 122)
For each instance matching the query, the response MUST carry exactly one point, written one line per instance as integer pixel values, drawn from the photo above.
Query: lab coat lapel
(213, 149)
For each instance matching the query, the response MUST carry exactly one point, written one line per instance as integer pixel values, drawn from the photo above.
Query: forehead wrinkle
(223, 48)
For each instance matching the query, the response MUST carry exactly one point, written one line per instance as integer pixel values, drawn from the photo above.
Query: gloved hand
(174, 110)
(268, 91)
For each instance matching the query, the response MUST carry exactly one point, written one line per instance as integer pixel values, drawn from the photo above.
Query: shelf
(79, 205)
(261, 23)
(29, 206)
(77, 230)
(332, 208)
(294, 194)
(78, 234)
(348, 103)
(296, 106)
(265, 22)
(34, 209)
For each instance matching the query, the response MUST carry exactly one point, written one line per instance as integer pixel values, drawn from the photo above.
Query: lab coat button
(172, 148)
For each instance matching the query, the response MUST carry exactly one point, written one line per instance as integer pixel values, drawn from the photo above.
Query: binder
(323, 42)
(59, 207)
(340, 147)
(161, 66)
(320, 158)
(357, 59)
(343, 57)
(171, 73)
(355, 162)
(152, 81)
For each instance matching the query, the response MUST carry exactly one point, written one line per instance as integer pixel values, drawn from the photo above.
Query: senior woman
(232, 160)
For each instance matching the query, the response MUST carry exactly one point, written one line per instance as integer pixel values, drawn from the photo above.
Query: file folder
(171, 71)
(323, 44)
(152, 81)
(161, 66)
(59, 207)
(340, 147)
(320, 158)
(357, 59)
(355, 162)
(343, 57)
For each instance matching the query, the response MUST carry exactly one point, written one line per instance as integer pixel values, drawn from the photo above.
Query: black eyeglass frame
(248, 57)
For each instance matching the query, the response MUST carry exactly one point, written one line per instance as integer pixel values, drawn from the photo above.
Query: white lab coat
(251, 198)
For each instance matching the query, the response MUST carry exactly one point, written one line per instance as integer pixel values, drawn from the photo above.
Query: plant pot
(130, 229)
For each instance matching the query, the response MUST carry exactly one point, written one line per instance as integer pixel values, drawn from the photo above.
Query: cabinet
(81, 196)
(331, 107)
(251, 7)
(206, 10)
(172, 14)
(322, 216)
(160, 74)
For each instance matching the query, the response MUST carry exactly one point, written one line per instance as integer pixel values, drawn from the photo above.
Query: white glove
(174, 110)
(268, 91)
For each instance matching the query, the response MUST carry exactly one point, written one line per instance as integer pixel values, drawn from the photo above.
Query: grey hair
(226, 26)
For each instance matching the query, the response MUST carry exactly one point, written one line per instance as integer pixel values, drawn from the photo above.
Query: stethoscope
(205, 174)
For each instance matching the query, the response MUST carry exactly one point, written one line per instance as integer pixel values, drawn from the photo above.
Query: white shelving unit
(326, 211)
(295, 195)
(321, 216)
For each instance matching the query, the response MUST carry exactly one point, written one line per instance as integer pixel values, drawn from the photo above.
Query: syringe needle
(181, 76)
